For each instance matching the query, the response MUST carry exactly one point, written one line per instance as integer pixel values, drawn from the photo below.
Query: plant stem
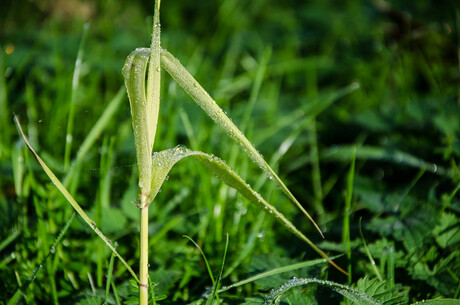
(145, 178)
(144, 257)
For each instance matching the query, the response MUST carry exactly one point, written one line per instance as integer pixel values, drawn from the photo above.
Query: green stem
(145, 179)
(144, 258)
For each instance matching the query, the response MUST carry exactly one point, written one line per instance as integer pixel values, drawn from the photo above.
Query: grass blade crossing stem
(73, 202)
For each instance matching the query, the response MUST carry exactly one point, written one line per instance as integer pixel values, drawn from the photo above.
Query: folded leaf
(134, 72)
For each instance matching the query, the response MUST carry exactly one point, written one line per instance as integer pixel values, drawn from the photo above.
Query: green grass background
(287, 73)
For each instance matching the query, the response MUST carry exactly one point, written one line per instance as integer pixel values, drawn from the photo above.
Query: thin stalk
(315, 169)
(144, 252)
(152, 110)
(347, 212)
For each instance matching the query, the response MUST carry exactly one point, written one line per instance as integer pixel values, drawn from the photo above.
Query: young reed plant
(386, 154)
(153, 167)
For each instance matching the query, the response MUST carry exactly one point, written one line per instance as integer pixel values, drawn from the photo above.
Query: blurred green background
(307, 81)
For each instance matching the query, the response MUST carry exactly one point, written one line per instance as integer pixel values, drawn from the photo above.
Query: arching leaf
(163, 161)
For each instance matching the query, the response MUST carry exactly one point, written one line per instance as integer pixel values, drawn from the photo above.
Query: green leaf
(381, 291)
(202, 98)
(73, 202)
(134, 73)
(163, 161)
(439, 302)
(345, 153)
(353, 295)
(447, 231)
(277, 271)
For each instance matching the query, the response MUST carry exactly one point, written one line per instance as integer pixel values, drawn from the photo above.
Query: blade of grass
(260, 74)
(94, 134)
(109, 277)
(215, 292)
(371, 259)
(354, 295)
(73, 98)
(202, 98)
(72, 201)
(4, 135)
(115, 293)
(15, 234)
(247, 248)
(391, 266)
(15, 298)
(279, 270)
(345, 152)
(315, 168)
(208, 267)
(347, 212)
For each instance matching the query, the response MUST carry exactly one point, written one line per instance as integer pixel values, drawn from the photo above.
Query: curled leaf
(142, 112)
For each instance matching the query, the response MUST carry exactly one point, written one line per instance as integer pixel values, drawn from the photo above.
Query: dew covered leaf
(173, 66)
(134, 71)
(163, 161)
(356, 296)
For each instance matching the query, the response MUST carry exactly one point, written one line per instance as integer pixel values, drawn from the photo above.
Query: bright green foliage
(381, 291)
(356, 296)
(306, 82)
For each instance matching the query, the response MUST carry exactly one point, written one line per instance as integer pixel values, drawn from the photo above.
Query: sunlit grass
(310, 85)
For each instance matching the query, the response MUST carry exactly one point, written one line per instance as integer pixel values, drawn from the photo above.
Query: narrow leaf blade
(202, 98)
(163, 161)
(72, 201)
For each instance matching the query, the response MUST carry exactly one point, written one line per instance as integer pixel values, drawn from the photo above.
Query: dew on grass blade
(202, 98)
(164, 160)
